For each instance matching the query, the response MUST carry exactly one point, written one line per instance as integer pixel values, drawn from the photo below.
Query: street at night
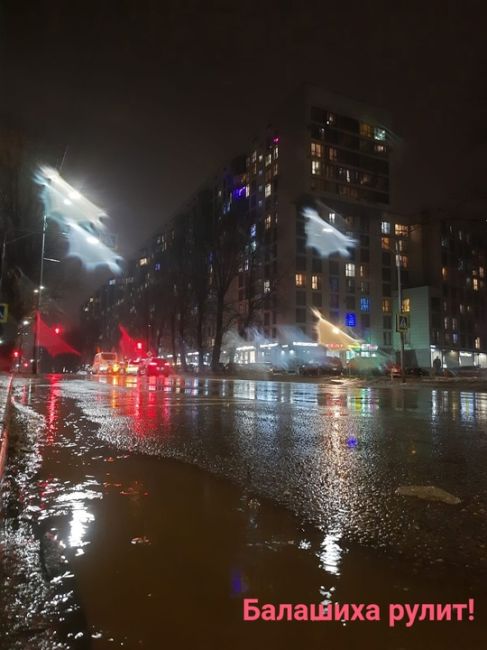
(243, 325)
(174, 499)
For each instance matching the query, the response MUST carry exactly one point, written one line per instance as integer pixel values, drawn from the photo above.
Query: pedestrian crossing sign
(402, 322)
(3, 312)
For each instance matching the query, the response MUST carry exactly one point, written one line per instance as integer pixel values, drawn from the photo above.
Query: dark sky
(150, 96)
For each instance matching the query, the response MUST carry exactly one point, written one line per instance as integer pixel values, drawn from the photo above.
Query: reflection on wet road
(160, 549)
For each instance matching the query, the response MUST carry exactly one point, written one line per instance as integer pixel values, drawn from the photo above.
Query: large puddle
(163, 553)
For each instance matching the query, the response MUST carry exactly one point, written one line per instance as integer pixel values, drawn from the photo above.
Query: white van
(105, 362)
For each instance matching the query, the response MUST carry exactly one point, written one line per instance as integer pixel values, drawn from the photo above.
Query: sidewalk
(5, 385)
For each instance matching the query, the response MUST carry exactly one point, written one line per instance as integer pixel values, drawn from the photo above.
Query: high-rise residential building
(321, 246)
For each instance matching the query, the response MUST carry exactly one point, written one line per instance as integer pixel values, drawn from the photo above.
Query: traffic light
(16, 354)
(139, 345)
(58, 329)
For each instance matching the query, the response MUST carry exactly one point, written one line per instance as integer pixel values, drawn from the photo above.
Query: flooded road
(287, 493)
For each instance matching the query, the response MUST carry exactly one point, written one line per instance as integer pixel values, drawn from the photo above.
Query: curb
(4, 430)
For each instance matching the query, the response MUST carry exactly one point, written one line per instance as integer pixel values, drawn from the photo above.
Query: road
(174, 499)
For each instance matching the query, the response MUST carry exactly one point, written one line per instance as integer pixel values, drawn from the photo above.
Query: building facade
(328, 157)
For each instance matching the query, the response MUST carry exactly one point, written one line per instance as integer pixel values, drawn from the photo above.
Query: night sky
(150, 97)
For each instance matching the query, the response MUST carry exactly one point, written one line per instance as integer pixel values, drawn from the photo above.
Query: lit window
(379, 134)
(330, 118)
(446, 322)
(316, 167)
(386, 243)
(385, 228)
(444, 272)
(276, 169)
(315, 282)
(316, 149)
(268, 189)
(386, 305)
(300, 279)
(331, 217)
(350, 270)
(401, 230)
(379, 148)
(455, 338)
(246, 264)
(157, 267)
(364, 304)
(405, 305)
(475, 284)
(247, 191)
(276, 153)
(254, 156)
(268, 159)
(402, 260)
(332, 153)
(267, 286)
(261, 157)
(268, 222)
(477, 343)
(143, 261)
(365, 130)
(481, 271)
(462, 309)
(454, 323)
(253, 230)
(363, 271)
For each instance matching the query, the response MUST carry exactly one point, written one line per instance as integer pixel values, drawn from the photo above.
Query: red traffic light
(58, 329)
(16, 354)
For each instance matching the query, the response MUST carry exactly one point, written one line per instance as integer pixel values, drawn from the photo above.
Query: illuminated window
(315, 282)
(363, 271)
(462, 309)
(364, 304)
(402, 260)
(247, 191)
(481, 271)
(276, 169)
(350, 270)
(379, 148)
(268, 159)
(379, 134)
(386, 305)
(330, 118)
(268, 222)
(331, 217)
(385, 228)
(366, 130)
(143, 261)
(157, 267)
(446, 322)
(401, 230)
(300, 279)
(455, 338)
(276, 153)
(268, 189)
(454, 323)
(386, 243)
(444, 272)
(477, 343)
(254, 156)
(332, 153)
(475, 284)
(267, 286)
(316, 149)
(405, 305)
(253, 230)
(316, 167)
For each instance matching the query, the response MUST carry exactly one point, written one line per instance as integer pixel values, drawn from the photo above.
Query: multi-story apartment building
(328, 156)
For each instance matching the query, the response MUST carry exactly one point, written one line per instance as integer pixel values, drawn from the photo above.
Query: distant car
(327, 366)
(105, 363)
(130, 367)
(155, 367)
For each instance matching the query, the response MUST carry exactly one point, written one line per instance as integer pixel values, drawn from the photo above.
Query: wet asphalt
(158, 505)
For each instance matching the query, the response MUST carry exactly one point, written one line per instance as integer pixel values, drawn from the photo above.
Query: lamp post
(35, 363)
(399, 310)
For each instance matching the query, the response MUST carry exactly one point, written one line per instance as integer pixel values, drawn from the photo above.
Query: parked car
(327, 366)
(105, 363)
(417, 372)
(155, 367)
